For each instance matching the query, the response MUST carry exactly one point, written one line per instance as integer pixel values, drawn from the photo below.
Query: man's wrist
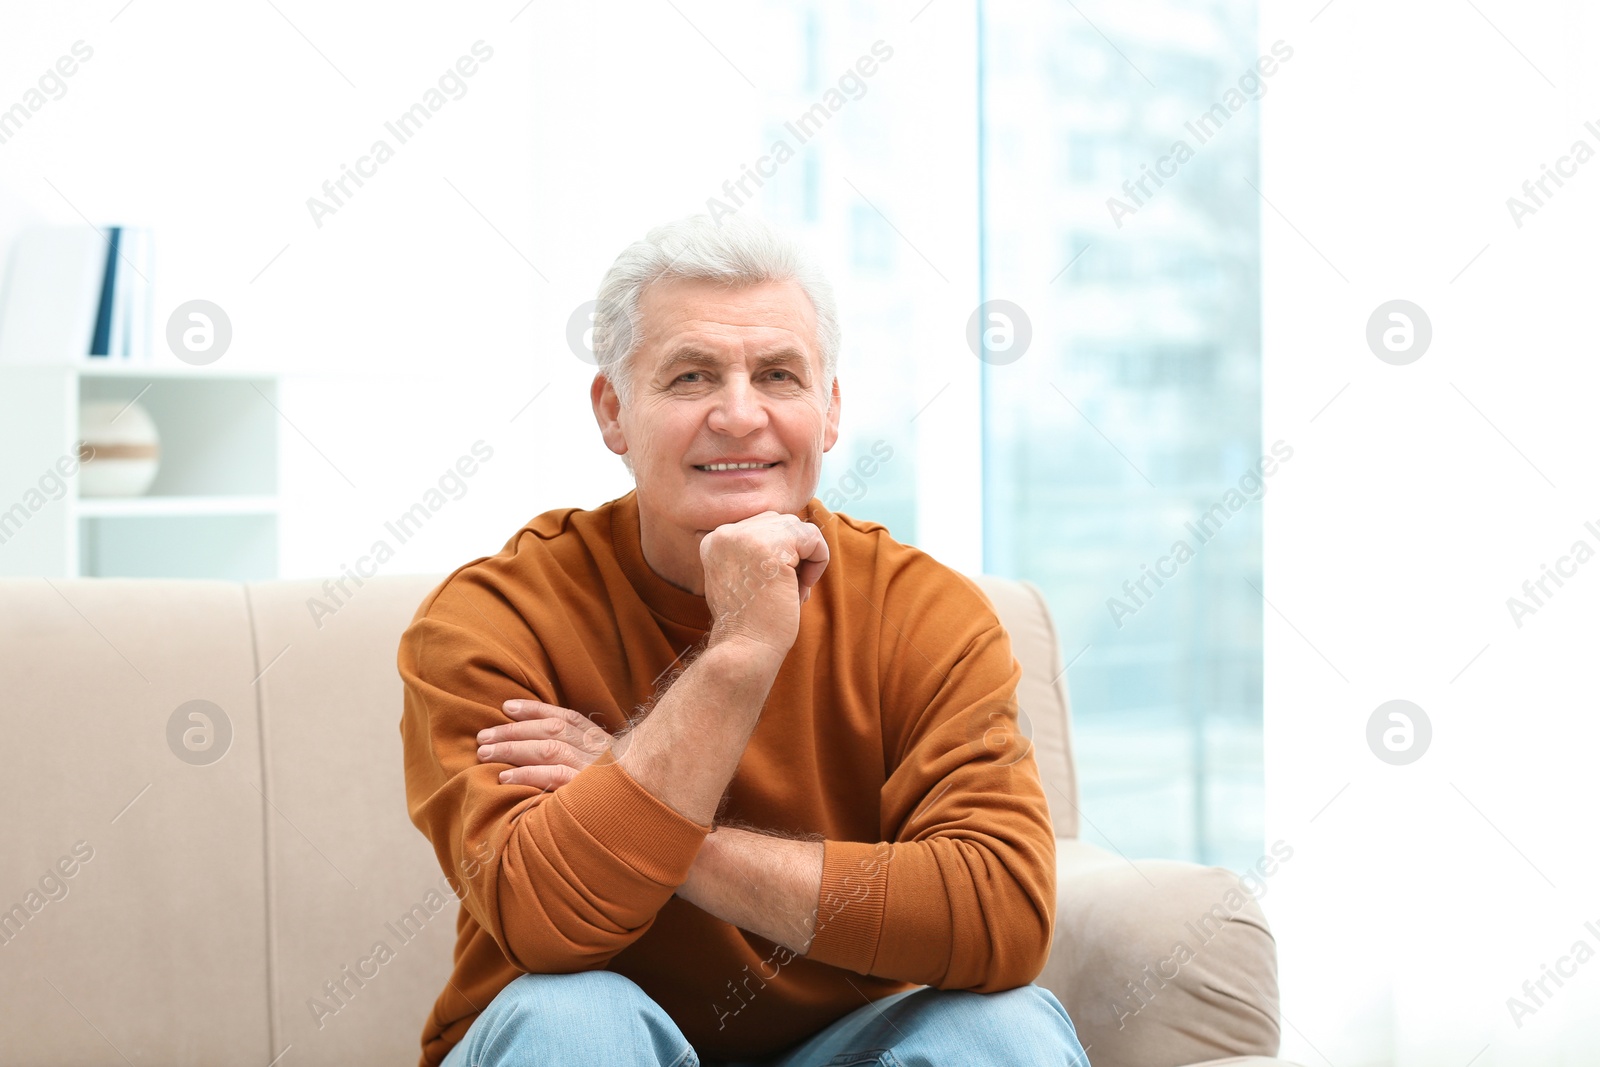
(703, 859)
(743, 658)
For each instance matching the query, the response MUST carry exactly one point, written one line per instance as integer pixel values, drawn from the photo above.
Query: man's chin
(732, 505)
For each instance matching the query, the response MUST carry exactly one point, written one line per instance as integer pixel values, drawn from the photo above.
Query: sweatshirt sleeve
(563, 880)
(960, 892)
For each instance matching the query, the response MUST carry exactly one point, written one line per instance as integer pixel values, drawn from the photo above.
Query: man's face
(722, 375)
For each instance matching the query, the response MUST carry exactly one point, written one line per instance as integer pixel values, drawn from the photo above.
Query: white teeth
(737, 466)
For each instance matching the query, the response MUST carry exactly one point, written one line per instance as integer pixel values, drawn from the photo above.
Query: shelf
(211, 512)
(218, 435)
(120, 369)
(142, 506)
(242, 547)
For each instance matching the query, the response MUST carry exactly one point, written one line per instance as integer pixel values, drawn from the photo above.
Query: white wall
(1421, 897)
(423, 314)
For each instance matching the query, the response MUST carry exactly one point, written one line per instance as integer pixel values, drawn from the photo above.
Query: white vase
(118, 447)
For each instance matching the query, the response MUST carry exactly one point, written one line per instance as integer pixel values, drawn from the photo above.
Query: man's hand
(758, 571)
(546, 745)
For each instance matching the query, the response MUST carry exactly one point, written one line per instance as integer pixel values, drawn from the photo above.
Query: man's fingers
(547, 752)
(813, 550)
(527, 710)
(545, 729)
(534, 711)
(539, 777)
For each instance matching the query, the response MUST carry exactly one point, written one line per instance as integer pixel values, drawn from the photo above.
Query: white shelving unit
(212, 511)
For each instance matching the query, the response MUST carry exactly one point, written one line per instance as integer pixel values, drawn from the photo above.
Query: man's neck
(674, 557)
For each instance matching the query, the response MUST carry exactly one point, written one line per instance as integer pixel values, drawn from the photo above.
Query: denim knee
(545, 1020)
(1022, 1025)
(1033, 1001)
(1025, 1004)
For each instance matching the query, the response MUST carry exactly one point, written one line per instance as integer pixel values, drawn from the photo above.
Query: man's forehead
(687, 316)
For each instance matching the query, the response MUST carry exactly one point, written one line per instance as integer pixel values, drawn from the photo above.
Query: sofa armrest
(1161, 964)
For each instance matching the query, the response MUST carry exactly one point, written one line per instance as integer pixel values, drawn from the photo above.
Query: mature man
(708, 763)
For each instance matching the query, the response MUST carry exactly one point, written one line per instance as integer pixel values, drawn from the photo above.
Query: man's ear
(830, 435)
(608, 412)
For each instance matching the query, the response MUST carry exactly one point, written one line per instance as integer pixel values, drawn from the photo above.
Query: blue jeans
(602, 1018)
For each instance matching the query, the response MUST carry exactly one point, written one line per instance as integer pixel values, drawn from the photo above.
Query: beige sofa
(244, 887)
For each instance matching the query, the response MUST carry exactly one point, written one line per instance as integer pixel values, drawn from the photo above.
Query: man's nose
(739, 408)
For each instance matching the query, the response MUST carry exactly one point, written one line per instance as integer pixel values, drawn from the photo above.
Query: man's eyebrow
(698, 358)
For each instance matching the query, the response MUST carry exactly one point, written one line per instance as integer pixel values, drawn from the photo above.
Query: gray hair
(740, 250)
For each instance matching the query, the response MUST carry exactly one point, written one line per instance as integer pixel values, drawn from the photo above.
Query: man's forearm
(766, 885)
(688, 747)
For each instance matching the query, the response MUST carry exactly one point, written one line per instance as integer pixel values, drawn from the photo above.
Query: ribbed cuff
(855, 881)
(632, 823)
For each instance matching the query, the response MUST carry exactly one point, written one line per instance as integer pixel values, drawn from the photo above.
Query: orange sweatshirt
(889, 730)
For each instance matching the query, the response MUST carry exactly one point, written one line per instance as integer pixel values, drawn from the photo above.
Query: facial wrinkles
(661, 394)
(715, 440)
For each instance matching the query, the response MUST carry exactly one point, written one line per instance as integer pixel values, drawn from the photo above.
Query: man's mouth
(717, 467)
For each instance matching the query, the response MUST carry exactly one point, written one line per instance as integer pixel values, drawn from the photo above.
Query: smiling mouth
(735, 468)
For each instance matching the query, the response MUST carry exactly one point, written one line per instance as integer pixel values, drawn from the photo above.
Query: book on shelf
(77, 294)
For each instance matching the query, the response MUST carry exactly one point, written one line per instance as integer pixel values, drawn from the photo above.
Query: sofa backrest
(1044, 711)
(248, 881)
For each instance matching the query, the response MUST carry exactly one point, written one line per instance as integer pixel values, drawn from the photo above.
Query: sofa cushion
(362, 921)
(133, 880)
(1159, 962)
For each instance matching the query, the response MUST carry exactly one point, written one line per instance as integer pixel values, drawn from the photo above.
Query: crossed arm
(761, 883)
(767, 885)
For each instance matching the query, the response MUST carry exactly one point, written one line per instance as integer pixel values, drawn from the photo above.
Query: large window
(979, 162)
(826, 160)
(1134, 409)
